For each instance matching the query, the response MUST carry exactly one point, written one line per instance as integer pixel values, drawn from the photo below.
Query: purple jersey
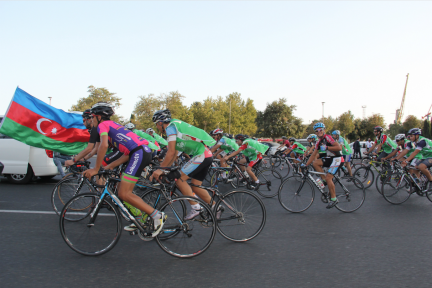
(121, 138)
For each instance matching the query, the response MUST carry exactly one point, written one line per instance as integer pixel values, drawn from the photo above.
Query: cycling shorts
(333, 163)
(222, 154)
(347, 158)
(111, 157)
(382, 155)
(427, 162)
(139, 158)
(197, 167)
(252, 163)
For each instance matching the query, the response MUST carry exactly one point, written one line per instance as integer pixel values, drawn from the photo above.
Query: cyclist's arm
(371, 149)
(233, 154)
(93, 152)
(402, 154)
(334, 147)
(170, 155)
(103, 147)
(390, 155)
(412, 155)
(214, 148)
(217, 152)
(80, 155)
(314, 154)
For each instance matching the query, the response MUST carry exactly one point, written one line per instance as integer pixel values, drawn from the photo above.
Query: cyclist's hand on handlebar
(68, 163)
(90, 173)
(156, 174)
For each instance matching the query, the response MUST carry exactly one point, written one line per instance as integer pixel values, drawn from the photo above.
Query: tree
(98, 95)
(411, 122)
(144, 110)
(345, 123)
(278, 120)
(426, 129)
(395, 129)
(174, 102)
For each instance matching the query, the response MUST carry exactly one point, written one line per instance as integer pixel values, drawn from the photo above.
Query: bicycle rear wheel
(194, 236)
(66, 189)
(365, 175)
(270, 180)
(85, 237)
(283, 169)
(396, 189)
(350, 194)
(242, 216)
(275, 161)
(296, 195)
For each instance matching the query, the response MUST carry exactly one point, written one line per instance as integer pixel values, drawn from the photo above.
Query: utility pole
(322, 111)
(229, 129)
(50, 99)
(364, 111)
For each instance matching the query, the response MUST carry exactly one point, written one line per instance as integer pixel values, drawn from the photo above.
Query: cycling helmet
(336, 132)
(292, 139)
(240, 137)
(283, 137)
(400, 137)
(162, 115)
(319, 125)
(129, 126)
(414, 131)
(312, 136)
(102, 108)
(216, 131)
(86, 114)
(149, 130)
(378, 128)
(230, 136)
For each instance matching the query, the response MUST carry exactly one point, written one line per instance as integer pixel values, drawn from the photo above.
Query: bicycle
(97, 227)
(296, 194)
(398, 187)
(366, 175)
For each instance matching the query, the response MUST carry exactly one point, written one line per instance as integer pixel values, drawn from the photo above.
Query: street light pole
(229, 129)
(50, 99)
(322, 111)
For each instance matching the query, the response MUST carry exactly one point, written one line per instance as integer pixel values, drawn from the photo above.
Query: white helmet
(149, 130)
(400, 137)
(129, 126)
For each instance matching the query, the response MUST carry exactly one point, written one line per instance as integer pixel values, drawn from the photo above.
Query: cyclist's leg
(348, 163)
(318, 164)
(252, 164)
(424, 168)
(336, 163)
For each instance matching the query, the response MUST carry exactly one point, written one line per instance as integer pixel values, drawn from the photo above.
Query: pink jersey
(119, 137)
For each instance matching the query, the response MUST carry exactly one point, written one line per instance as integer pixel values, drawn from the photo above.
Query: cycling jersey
(189, 139)
(346, 149)
(253, 149)
(424, 145)
(322, 144)
(227, 145)
(149, 138)
(287, 143)
(94, 135)
(121, 138)
(298, 148)
(388, 145)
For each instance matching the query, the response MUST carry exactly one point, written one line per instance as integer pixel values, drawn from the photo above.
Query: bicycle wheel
(396, 189)
(90, 238)
(194, 236)
(243, 216)
(365, 175)
(283, 169)
(66, 189)
(296, 195)
(270, 180)
(275, 161)
(350, 194)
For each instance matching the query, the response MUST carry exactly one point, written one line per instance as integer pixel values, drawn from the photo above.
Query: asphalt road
(380, 245)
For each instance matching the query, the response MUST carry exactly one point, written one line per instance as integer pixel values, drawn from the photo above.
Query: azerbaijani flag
(35, 123)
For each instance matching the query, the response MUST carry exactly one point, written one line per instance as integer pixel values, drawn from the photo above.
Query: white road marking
(46, 212)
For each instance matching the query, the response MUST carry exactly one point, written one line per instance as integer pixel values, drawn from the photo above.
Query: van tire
(21, 178)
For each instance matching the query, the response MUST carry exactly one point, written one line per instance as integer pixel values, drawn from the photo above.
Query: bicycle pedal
(132, 233)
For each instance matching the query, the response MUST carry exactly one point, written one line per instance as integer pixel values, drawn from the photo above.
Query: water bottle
(141, 217)
(246, 174)
(417, 180)
(320, 183)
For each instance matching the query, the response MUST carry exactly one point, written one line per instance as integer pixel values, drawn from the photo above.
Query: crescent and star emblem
(38, 123)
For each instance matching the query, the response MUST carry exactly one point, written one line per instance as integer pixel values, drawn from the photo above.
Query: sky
(347, 54)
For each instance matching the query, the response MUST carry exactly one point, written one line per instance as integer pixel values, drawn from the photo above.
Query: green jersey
(189, 139)
(160, 140)
(346, 149)
(388, 145)
(251, 148)
(424, 145)
(149, 138)
(228, 144)
(298, 148)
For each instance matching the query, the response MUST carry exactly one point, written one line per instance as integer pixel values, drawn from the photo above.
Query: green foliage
(411, 122)
(427, 129)
(98, 95)
(345, 123)
(278, 120)
(395, 129)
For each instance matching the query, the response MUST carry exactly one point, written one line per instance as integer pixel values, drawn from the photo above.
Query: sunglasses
(319, 130)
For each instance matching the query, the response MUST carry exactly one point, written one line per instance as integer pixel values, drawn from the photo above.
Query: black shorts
(111, 157)
(201, 171)
(333, 163)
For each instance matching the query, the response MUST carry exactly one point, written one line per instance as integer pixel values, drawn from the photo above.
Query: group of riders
(115, 144)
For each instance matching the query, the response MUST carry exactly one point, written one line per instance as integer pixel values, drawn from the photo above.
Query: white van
(20, 162)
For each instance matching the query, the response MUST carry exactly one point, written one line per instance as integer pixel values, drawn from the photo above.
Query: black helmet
(378, 128)
(162, 115)
(292, 139)
(414, 131)
(86, 114)
(102, 108)
(240, 137)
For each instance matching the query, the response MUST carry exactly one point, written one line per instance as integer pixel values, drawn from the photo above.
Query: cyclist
(189, 139)
(402, 151)
(382, 141)
(422, 146)
(311, 138)
(253, 151)
(296, 150)
(332, 159)
(135, 152)
(223, 147)
(285, 143)
(346, 149)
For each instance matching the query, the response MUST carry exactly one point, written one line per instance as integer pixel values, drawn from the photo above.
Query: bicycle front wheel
(365, 175)
(283, 168)
(192, 237)
(396, 189)
(350, 194)
(88, 236)
(270, 180)
(296, 195)
(241, 216)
